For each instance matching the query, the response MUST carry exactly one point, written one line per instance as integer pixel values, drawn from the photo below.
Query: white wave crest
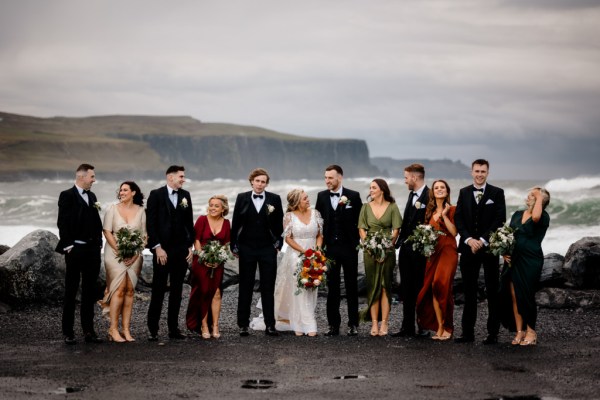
(569, 185)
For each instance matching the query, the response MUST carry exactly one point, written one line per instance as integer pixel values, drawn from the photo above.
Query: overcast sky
(514, 81)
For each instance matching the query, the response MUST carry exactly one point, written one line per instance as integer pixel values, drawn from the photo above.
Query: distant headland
(49, 148)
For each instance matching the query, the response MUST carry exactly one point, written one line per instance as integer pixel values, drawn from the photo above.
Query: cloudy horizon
(513, 81)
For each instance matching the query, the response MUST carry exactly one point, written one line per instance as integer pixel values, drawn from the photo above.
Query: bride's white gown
(294, 312)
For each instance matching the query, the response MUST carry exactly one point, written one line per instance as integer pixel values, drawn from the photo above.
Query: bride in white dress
(303, 229)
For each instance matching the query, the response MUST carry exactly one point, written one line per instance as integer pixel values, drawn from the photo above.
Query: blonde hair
(224, 202)
(293, 199)
(545, 195)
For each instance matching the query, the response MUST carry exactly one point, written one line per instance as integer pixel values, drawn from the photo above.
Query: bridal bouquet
(312, 269)
(213, 254)
(502, 241)
(377, 245)
(129, 243)
(424, 239)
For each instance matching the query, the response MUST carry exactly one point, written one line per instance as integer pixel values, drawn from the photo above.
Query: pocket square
(348, 207)
(490, 201)
(423, 206)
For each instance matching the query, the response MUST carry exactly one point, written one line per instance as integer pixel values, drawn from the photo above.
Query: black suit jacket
(159, 218)
(349, 215)
(479, 220)
(412, 217)
(274, 220)
(77, 220)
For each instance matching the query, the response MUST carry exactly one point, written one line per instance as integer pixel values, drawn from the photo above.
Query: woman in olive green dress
(523, 268)
(380, 213)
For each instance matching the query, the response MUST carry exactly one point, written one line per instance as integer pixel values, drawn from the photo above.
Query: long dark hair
(431, 204)
(138, 197)
(383, 186)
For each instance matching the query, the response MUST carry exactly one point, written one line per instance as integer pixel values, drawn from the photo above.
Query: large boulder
(566, 298)
(582, 264)
(552, 272)
(31, 271)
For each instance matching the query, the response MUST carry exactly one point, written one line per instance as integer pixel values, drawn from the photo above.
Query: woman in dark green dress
(522, 269)
(380, 213)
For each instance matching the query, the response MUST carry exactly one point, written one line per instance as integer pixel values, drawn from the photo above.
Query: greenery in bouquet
(502, 241)
(424, 238)
(129, 243)
(312, 270)
(377, 244)
(213, 254)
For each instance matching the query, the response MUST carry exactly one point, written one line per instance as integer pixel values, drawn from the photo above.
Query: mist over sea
(574, 207)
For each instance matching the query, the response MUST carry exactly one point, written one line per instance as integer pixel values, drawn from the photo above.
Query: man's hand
(161, 256)
(475, 245)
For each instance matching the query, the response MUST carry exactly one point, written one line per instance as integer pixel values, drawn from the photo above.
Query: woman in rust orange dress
(204, 306)
(435, 303)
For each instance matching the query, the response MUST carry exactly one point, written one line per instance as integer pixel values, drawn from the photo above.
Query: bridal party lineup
(427, 237)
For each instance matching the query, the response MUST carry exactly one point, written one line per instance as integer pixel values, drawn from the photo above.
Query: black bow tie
(478, 190)
(415, 194)
(334, 194)
(85, 192)
(174, 192)
(257, 196)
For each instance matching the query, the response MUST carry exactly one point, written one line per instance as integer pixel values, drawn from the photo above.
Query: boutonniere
(479, 196)
(418, 205)
(270, 208)
(184, 203)
(344, 201)
(98, 206)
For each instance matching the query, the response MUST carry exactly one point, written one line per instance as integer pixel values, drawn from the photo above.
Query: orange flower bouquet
(312, 269)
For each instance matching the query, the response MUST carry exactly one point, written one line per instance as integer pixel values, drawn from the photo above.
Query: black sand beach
(36, 364)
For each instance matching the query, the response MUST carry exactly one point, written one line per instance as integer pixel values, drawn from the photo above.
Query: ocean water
(574, 207)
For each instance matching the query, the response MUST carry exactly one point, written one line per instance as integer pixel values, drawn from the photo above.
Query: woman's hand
(129, 261)
(506, 259)
(445, 210)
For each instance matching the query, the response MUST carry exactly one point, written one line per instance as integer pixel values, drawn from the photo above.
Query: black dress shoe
(403, 333)
(332, 331)
(244, 331)
(353, 330)
(177, 335)
(491, 339)
(70, 339)
(465, 339)
(92, 338)
(423, 334)
(153, 337)
(271, 331)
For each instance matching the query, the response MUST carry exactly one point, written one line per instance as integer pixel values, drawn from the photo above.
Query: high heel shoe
(205, 333)
(383, 331)
(529, 342)
(518, 338)
(216, 333)
(445, 336)
(114, 336)
(128, 336)
(374, 330)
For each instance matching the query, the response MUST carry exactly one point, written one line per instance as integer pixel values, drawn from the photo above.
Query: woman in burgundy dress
(207, 278)
(435, 303)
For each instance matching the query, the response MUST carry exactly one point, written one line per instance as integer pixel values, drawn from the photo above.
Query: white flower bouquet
(424, 238)
(502, 241)
(213, 254)
(377, 245)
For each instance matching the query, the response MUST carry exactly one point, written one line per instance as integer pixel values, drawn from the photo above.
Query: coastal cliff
(145, 146)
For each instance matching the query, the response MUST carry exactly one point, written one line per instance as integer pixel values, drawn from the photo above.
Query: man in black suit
(80, 231)
(256, 230)
(170, 227)
(340, 208)
(480, 210)
(411, 263)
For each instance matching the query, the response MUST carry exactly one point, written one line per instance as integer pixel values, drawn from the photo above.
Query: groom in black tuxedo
(170, 227)
(256, 230)
(340, 208)
(80, 231)
(411, 263)
(480, 210)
